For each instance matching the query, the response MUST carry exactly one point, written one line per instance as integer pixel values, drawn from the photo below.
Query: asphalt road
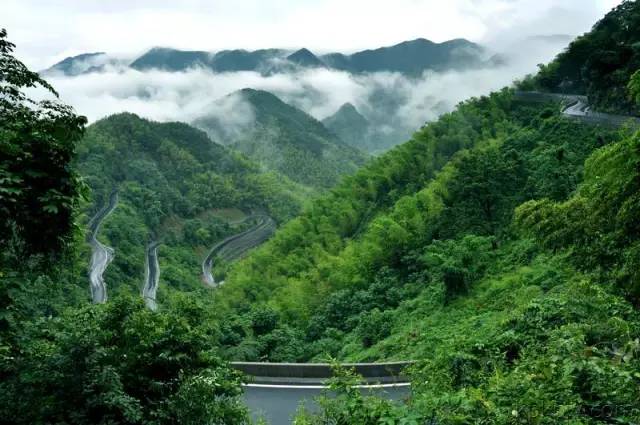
(577, 109)
(278, 404)
(152, 276)
(101, 255)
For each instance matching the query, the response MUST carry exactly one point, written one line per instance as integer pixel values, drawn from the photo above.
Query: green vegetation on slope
(438, 271)
(516, 333)
(285, 139)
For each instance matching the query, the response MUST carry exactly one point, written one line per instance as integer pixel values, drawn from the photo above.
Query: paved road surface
(152, 276)
(278, 404)
(578, 108)
(236, 246)
(101, 255)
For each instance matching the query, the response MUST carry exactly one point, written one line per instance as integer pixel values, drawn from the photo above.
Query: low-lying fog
(390, 100)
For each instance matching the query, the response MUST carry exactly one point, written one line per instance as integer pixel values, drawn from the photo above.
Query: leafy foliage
(61, 360)
(38, 189)
(120, 364)
(600, 222)
(634, 87)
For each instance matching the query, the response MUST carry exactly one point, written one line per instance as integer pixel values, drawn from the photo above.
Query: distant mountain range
(410, 57)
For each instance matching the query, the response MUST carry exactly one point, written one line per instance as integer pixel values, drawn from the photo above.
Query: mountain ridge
(421, 54)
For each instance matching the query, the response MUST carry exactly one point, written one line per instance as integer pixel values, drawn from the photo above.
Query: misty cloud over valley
(394, 103)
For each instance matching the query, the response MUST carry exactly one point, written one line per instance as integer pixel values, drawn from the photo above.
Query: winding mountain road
(101, 255)
(152, 276)
(577, 108)
(236, 246)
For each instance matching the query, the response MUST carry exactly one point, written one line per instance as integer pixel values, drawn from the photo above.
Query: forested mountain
(170, 59)
(283, 138)
(410, 58)
(305, 58)
(481, 247)
(77, 65)
(350, 126)
(599, 63)
(498, 248)
(176, 186)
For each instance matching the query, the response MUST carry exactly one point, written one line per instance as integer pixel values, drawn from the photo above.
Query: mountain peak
(76, 65)
(304, 57)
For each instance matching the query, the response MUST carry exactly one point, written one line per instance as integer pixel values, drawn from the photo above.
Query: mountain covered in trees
(175, 186)
(498, 248)
(282, 138)
(410, 58)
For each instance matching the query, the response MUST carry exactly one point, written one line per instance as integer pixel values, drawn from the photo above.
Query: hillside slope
(283, 138)
(175, 186)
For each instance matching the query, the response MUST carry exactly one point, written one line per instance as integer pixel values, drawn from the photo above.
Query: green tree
(38, 188)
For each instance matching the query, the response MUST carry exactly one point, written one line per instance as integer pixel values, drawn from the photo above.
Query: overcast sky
(49, 30)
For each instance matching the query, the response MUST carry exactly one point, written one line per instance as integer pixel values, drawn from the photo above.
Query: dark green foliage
(38, 189)
(374, 326)
(634, 87)
(263, 321)
(120, 364)
(344, 404)
(600, 63)
(600, 223)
